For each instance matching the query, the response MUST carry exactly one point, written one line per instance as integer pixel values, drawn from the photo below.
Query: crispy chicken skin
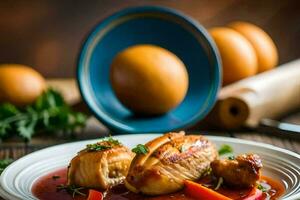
(171, 159)
(240, 172)
(100, 169)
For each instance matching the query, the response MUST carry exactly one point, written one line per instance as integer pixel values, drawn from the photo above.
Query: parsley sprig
(49, 113)
(140, 149)
(4, 163)
(106, 143)
(71, 189)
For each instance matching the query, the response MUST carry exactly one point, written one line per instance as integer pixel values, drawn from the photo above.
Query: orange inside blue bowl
(149, 25)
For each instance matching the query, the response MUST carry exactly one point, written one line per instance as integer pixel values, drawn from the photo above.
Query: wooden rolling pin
(267, 95)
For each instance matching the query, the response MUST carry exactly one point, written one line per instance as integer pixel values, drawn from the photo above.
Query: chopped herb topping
(111, 140)
(140, 149)
(55, 177)
(225, 149)
(71, 189)
(220, 182)
(97, 147)
(231, 157)
(106, 143)
(4, 163)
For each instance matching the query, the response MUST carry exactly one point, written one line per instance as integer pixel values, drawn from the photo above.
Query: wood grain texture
(47, 34)
(15, 148)
(286, 143)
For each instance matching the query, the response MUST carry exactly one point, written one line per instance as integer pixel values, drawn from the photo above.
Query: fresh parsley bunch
(4, 163)
(49, 113)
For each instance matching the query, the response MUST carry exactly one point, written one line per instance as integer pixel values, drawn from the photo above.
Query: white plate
(16, 181)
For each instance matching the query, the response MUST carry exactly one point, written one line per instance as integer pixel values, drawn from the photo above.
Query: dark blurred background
(47, 34)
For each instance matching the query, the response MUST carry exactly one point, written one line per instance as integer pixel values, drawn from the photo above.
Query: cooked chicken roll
(171, 159)
(241, 172)
(100, 165)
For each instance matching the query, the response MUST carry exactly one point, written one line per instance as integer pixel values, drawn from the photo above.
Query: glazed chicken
(240, 172)
(100, 165)
(171, 159)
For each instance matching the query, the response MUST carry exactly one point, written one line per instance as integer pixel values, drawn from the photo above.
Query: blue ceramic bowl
(160, 26)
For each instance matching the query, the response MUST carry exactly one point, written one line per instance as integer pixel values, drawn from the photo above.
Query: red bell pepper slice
(200, 192)
(95, 195)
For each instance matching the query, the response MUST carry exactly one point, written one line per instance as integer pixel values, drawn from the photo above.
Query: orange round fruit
(265, 49)
(19, 84)
(148, 79)
(237, 54)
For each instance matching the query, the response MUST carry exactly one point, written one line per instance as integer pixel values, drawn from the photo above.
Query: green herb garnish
(106, 143)
(140, 149)
(232, 157)
(4, 163)
(49, 113)
(225, 149)
(262, 188)
(111, 141)
(71, 189)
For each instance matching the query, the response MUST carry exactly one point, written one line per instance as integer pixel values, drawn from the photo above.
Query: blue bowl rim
(187, 19)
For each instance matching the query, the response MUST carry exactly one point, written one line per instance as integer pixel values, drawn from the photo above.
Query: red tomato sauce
(45, 188)
(277, 189)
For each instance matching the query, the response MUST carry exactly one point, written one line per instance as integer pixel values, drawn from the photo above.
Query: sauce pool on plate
(45, 188)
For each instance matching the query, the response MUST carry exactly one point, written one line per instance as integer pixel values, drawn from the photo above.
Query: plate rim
(224, 139)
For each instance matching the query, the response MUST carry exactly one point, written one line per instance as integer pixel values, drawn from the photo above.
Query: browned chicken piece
(241, 172)
(172, 158)
(100, 165)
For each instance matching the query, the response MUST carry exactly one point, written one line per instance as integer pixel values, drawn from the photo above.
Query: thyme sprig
(71, 189)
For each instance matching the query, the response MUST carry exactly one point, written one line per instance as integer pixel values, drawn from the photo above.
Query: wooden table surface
(15, 148)
(94, 129)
